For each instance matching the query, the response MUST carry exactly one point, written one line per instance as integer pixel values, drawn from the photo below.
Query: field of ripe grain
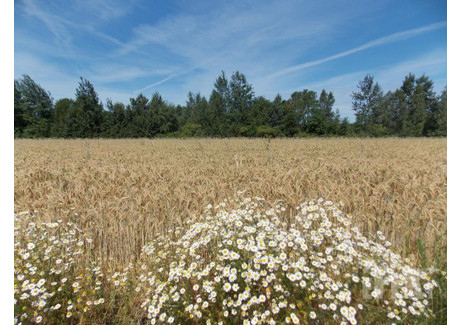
(123, 191)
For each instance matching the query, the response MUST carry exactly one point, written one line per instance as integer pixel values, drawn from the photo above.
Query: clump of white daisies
(54, 282)
(245, 266)
(238, 263)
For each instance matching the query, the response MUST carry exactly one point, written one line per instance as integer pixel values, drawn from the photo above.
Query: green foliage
(261, 110)
(33, 109)
(266, 131)
(197, 111)
(19, 113)
(440, 116)
(240, 98)
(216, 113)
(62, 112)
(275, 115)
(302, 103)
(439, 293)
(412, 110)
(289, 124)
(367, 103)
(232, 110)
(247, 131)
(87, 102)
(191, 130)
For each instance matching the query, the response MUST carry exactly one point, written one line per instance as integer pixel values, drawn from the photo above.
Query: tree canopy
(232, 110)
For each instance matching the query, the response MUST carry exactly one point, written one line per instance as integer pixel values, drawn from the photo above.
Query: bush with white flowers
(245, 266)
(238, 263)
(54, 283)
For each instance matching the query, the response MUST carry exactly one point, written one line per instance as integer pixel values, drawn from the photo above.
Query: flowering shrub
(238, 263)
(245, 266)
(53, 280)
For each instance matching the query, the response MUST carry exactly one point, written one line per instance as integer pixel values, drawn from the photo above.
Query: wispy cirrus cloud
(389, 77)
(55, 24)
(227, 32)
(233, 38)
(105, 9)
(62, 24)
(400, 36)
(162, 81)
(127, 47)
(112, 72)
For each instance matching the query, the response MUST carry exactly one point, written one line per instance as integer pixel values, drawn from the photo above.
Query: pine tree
(87, 101)
(367, 104)
(33, 108)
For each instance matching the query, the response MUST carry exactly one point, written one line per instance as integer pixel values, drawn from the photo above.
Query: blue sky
(173, 47)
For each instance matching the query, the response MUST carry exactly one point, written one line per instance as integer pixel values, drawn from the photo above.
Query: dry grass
(125, 190)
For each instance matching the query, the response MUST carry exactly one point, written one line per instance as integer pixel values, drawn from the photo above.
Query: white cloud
(187, 50)
(162, 81)
(55, 24)
(400, 36)
(120, 72)
(250, 38)
(105, 9)
(63, 23)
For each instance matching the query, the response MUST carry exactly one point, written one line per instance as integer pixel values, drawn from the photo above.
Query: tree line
(232, 110)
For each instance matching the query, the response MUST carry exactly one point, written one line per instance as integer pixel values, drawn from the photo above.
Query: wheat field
(123, 191)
